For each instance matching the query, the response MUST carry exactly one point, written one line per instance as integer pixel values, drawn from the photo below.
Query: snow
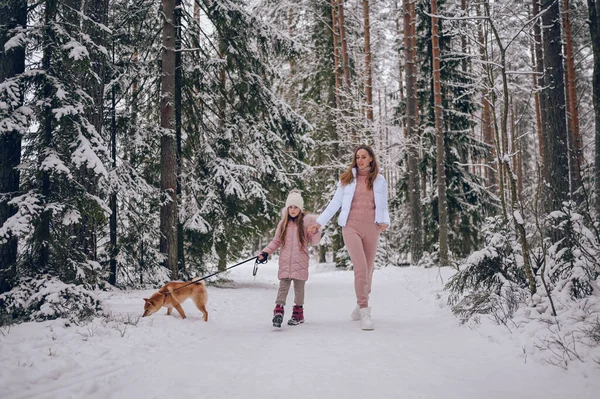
(418, 348)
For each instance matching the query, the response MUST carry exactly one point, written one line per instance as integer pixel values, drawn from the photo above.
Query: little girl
(292, 236)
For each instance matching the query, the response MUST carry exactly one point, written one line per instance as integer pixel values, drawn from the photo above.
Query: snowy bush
(561, 319)
(491, 279)
(48, 298)
(572, 266)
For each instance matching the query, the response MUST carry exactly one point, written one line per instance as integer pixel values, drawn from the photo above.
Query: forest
(145, 141)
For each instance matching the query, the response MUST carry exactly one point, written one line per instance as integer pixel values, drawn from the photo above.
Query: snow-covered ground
(418, 349)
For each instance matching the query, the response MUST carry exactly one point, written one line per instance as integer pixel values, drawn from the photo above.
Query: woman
(362, 195)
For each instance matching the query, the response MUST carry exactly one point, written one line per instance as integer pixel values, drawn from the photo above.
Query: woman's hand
(382, 226)
(314, 228)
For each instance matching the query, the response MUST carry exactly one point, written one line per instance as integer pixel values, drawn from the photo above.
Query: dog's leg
(169, 310)
(204, 311)
(180, 310)
(201, 307)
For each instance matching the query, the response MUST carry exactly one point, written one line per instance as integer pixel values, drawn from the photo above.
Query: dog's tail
(198, 280)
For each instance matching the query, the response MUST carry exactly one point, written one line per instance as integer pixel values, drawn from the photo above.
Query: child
(293, 237)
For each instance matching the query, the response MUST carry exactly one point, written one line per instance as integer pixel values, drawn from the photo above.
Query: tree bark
(412, 153)
(439, 129)
(344, 44)
(541, 83)
(336, 52)
(553, 94)
(168, 153)
(368, 67)
(594, 25)
(537, 104)
(487, 131)
(463, 37)
(178, 83)
(575, 152)
(13, 13)
(41, 235)
(112, 268)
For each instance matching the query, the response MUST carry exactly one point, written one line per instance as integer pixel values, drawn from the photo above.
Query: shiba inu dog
(173, 294)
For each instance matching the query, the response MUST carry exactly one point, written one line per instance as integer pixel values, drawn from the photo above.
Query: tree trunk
(487, 131)
(178, 82)
(541, 83)
(336, 52)
(41, 235)
(344, 45)
(594, 24)
(439, 133)
(368, 71)
(555, 127)
(516, 206)
(414, 182)
(112, 272)
(537, 103)
(575, 153)
(463, 37)
(399, 14)
(13, 13)
(168, 153)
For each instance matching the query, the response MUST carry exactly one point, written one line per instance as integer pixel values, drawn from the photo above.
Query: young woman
(362, 196)
(293, 237)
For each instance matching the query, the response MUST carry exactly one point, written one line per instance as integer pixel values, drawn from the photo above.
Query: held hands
(314, 228)
(382, 226)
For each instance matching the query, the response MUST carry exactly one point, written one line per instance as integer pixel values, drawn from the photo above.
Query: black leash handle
(256, 263)
(221, 271)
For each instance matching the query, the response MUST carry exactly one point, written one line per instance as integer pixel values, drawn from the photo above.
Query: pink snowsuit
(293, 260)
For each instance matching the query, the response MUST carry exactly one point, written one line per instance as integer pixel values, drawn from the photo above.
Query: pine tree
(13, 123)
(468, 201)
(243, 143)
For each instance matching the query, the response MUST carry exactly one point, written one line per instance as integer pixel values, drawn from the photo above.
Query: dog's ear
(146, 299)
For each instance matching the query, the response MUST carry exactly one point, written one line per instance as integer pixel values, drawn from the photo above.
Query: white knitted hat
(294, 198)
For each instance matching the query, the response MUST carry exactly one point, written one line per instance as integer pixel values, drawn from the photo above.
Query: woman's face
(363, 159)
(293, 211)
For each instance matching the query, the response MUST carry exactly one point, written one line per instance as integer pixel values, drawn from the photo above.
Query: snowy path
(417, 350)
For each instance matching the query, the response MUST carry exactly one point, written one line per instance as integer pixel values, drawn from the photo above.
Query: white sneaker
(355, 315)
(365, 319)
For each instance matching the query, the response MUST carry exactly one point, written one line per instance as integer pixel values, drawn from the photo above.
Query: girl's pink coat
(293, 260)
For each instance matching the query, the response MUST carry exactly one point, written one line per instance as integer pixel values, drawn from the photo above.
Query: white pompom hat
(294, 198)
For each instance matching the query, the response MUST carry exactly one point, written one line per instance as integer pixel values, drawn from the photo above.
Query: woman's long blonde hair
(299, 225)
(347, 177)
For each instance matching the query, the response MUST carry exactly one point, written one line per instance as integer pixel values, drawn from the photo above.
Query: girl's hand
(382, 227)
(314, 228)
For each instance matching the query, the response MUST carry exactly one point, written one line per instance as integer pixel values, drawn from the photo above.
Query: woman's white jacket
(343, 199)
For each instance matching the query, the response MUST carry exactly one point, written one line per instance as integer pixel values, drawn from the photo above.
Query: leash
(254, 271)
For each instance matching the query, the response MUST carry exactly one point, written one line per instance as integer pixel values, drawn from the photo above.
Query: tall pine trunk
(553, 95)
(575, 153)
(113, 252)
(414, 182)
(439, 133)
(168, 150)
(344, 44)
(178, 82)
(594, 23)
(487, 131)
(368, 67)
(336, 52)
(541, 81)
(41, 234)
(13, 13)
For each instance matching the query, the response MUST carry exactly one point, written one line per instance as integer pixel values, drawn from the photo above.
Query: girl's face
(363, 159)
(293, 211)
